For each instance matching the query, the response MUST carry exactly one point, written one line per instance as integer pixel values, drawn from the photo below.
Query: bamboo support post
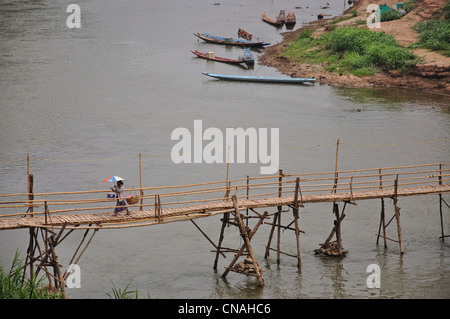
(338, 228)
(30, 181)
(271, 235)
(280, 194)
(276, 221)
(351, 192)
(296, 216)
(246, 237)
(397, 216)
(141, 191)
(227, 183)
(248, 192)
(440, 204)
(381, 178)
(382, 224)
(206, 236)
(58, 277)
(46, 257)
(46, 213)
(336, 174)
(222, 230)
(335, 230)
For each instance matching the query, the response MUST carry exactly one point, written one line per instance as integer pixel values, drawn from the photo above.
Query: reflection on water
(398, 98)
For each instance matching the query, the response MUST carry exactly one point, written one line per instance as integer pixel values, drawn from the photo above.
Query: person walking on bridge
(121, 201)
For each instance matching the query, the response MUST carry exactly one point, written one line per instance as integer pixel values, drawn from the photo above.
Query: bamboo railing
(160, 199)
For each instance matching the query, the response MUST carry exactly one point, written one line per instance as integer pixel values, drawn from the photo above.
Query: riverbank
(430, 75)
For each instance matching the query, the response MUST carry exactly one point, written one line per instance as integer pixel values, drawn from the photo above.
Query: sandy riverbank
(427, 76)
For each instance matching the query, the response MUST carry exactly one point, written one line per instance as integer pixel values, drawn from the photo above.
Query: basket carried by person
(132, 199)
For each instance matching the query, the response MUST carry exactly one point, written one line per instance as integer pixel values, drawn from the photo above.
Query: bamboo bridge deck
(61, 212)
(106, 220)
(344, 186)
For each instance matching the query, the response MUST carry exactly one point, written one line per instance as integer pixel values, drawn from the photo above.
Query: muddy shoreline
(428, 76)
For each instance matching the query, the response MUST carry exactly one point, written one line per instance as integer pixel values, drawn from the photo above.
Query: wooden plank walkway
(149, 217)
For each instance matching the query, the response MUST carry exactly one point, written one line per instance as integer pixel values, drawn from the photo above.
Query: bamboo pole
(140, 183)
(382, 224)
(338, 228)
(336, 168)
(246, 238)
(59, 279)
(271, 235)
(397, 217)
(227, 183)
(280, 189)
(248, 191)
(296, 216)
(236, 180)
(206, 236)
(222, 230)
(333, 231)
(440, 204)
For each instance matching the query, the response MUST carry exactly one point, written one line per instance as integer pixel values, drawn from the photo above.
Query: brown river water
(84, 102)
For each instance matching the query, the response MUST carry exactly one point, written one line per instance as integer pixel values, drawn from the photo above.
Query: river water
(85, 102)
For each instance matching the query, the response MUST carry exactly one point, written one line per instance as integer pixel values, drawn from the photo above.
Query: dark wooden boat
(281, 16)
(216, 58)
(290, 19)
(230, 41)
(270, 20)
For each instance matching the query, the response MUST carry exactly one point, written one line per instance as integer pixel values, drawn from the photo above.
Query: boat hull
(267, 79)
(230, 41)
(271, 21)
(217, 59)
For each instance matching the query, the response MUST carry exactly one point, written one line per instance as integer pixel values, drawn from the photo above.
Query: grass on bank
(347, 50)
(435, 33)
(15, 285)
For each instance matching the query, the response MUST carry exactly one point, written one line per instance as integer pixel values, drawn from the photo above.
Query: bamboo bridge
(238, 201)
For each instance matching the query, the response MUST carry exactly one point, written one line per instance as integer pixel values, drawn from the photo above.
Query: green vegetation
(14, 285)
(126, 293)
(351, 50)
(434, 35)
(390, 15)
(446, 11)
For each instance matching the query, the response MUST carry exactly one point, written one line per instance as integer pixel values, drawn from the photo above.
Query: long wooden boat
(217, 58)
(230, 41)
(270, 20)
(248, 78)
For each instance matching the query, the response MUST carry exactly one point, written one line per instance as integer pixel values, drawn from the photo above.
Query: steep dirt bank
(428, 76)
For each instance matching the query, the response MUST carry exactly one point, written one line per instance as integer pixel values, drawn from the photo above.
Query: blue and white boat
(249, 78)
(230, 41)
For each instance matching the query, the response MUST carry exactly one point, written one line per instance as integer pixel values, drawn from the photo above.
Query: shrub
(305, 34)
(365, 71)
(365, 48)
(356, 40)
(388, 56)
(434, 34)
(354, 60)
(390, 15)
(446, 11)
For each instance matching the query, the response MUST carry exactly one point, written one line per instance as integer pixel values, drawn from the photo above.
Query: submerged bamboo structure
(49, 215)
